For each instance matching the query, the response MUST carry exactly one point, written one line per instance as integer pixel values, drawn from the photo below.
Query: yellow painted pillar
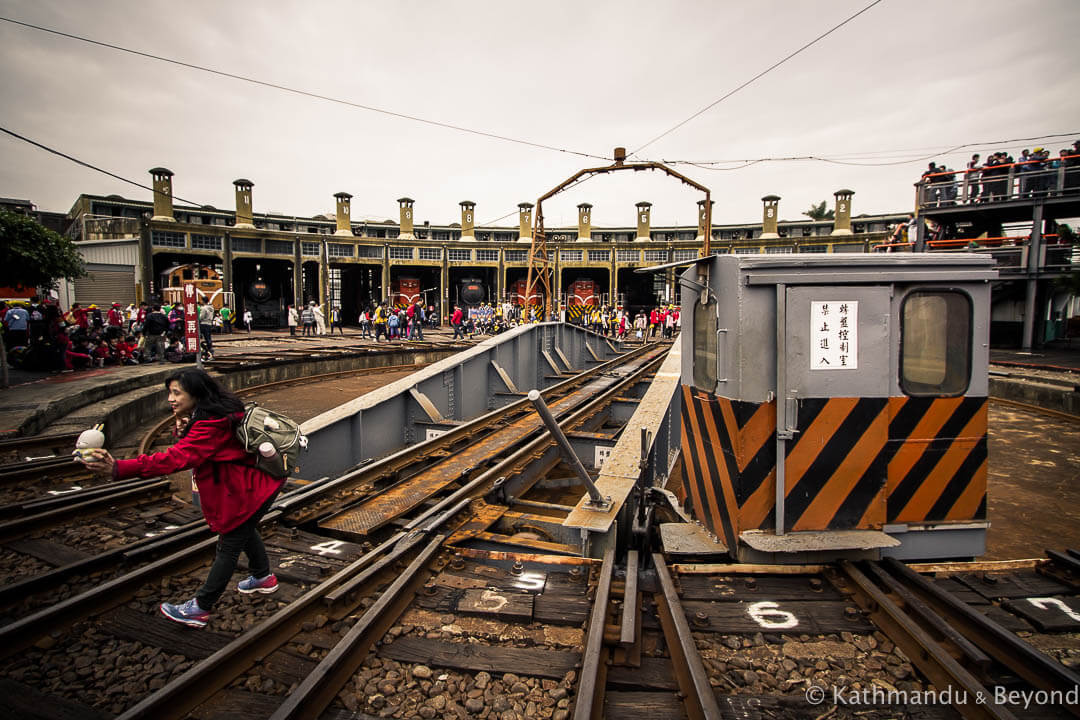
(163, 203)
(344, 222)
(243, 204)
(769, 217)
(405, 231)
(644, 221)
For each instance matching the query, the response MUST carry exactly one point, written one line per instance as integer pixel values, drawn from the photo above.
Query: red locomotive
(404, 291)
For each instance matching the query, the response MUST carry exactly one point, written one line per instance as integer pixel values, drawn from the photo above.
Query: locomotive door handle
(721, 334)
(792, 416)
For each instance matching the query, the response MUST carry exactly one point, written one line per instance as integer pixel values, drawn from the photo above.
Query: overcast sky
(903, 80)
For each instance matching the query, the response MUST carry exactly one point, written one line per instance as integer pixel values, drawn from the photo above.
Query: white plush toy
(89, 440)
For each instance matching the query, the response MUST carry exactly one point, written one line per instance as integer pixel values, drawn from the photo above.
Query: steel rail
(539, 444)
(24, 632)
(19, 443)
(200, 682)
(961, 648)
(1039, 670)
(698, 698)
(408, 456)
(17, 635)
(324, 682)
(17, 471)
(71, 497)
(589, 698)
(933, 660)
(188, 533)
(124, 498)
(1037, 409)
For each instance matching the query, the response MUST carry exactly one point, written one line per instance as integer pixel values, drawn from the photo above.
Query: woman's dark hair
(212, 400)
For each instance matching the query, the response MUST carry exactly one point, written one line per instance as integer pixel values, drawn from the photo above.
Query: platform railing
(1029, 180)
(1011, 253)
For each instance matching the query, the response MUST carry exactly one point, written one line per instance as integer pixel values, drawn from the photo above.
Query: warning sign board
(834, 335)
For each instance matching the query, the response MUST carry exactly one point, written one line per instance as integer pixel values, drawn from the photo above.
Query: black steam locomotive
(470, 292)
(266, 303)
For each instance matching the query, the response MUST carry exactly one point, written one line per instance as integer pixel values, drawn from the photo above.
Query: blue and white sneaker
(188, 614)
(264, 585)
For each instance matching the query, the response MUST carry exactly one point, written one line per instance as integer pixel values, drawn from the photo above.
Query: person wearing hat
(96, 319)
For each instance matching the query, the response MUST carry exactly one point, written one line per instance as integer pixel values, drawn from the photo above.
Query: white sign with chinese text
(834, 335)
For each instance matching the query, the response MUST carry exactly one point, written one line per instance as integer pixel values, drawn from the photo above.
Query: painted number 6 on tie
(768, 615)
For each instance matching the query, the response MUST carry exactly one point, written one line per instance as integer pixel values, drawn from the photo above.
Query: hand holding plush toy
(89, 441)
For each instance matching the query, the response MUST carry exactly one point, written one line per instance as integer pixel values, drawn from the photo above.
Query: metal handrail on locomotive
(837, 407)
(207, 281)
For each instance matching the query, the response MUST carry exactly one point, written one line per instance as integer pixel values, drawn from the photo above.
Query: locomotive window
(935, 343)
(705, 344)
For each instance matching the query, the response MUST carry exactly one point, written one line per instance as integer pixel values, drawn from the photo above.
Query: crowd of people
(40, 335)
(989, 181)
(660, 321)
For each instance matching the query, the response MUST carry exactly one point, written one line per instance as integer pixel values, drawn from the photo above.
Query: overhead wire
(705, 165)
(761, 74)
(90, 166)
(305, 93)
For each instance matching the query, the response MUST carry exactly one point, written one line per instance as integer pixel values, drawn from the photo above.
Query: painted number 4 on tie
(330, 547)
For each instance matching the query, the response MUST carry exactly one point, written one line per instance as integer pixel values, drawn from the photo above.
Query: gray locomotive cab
(866, 374)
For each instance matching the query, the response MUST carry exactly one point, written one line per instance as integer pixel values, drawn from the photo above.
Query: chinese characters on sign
(834, 335)
(191, 320)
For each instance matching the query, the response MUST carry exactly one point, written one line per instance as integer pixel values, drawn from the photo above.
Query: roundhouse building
(268, 260)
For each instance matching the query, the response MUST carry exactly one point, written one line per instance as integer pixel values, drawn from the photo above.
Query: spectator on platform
(16, 325)
(972, 176)
(380, 319)
(206, 326)
(115, 320)
(365, 323)
(393, 322)
(307, 319)
(457, 323)
(336, 320)
(70, 356)
(320, 319)
(157, 324)
(247, 320)
(293, 318)
(226, 319)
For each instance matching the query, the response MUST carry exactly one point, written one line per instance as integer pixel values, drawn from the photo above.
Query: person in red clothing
(233, 493)
(456, 322)
(115, 317)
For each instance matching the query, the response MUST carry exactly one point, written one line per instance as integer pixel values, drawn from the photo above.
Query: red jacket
(457, 317)
(230, 489)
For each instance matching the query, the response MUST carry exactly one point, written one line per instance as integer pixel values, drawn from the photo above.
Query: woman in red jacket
(233, 493)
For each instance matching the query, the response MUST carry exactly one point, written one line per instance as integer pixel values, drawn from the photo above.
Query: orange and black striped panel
(835, 472)
(836, 465)
(937, 464)
(728, 461)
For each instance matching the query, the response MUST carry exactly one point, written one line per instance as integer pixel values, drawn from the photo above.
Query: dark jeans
(206, 331)
(244, 538)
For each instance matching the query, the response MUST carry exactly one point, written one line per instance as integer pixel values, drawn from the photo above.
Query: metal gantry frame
(540, 260)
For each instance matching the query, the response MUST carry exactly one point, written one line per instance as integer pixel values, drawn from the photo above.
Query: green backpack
(273, 439)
